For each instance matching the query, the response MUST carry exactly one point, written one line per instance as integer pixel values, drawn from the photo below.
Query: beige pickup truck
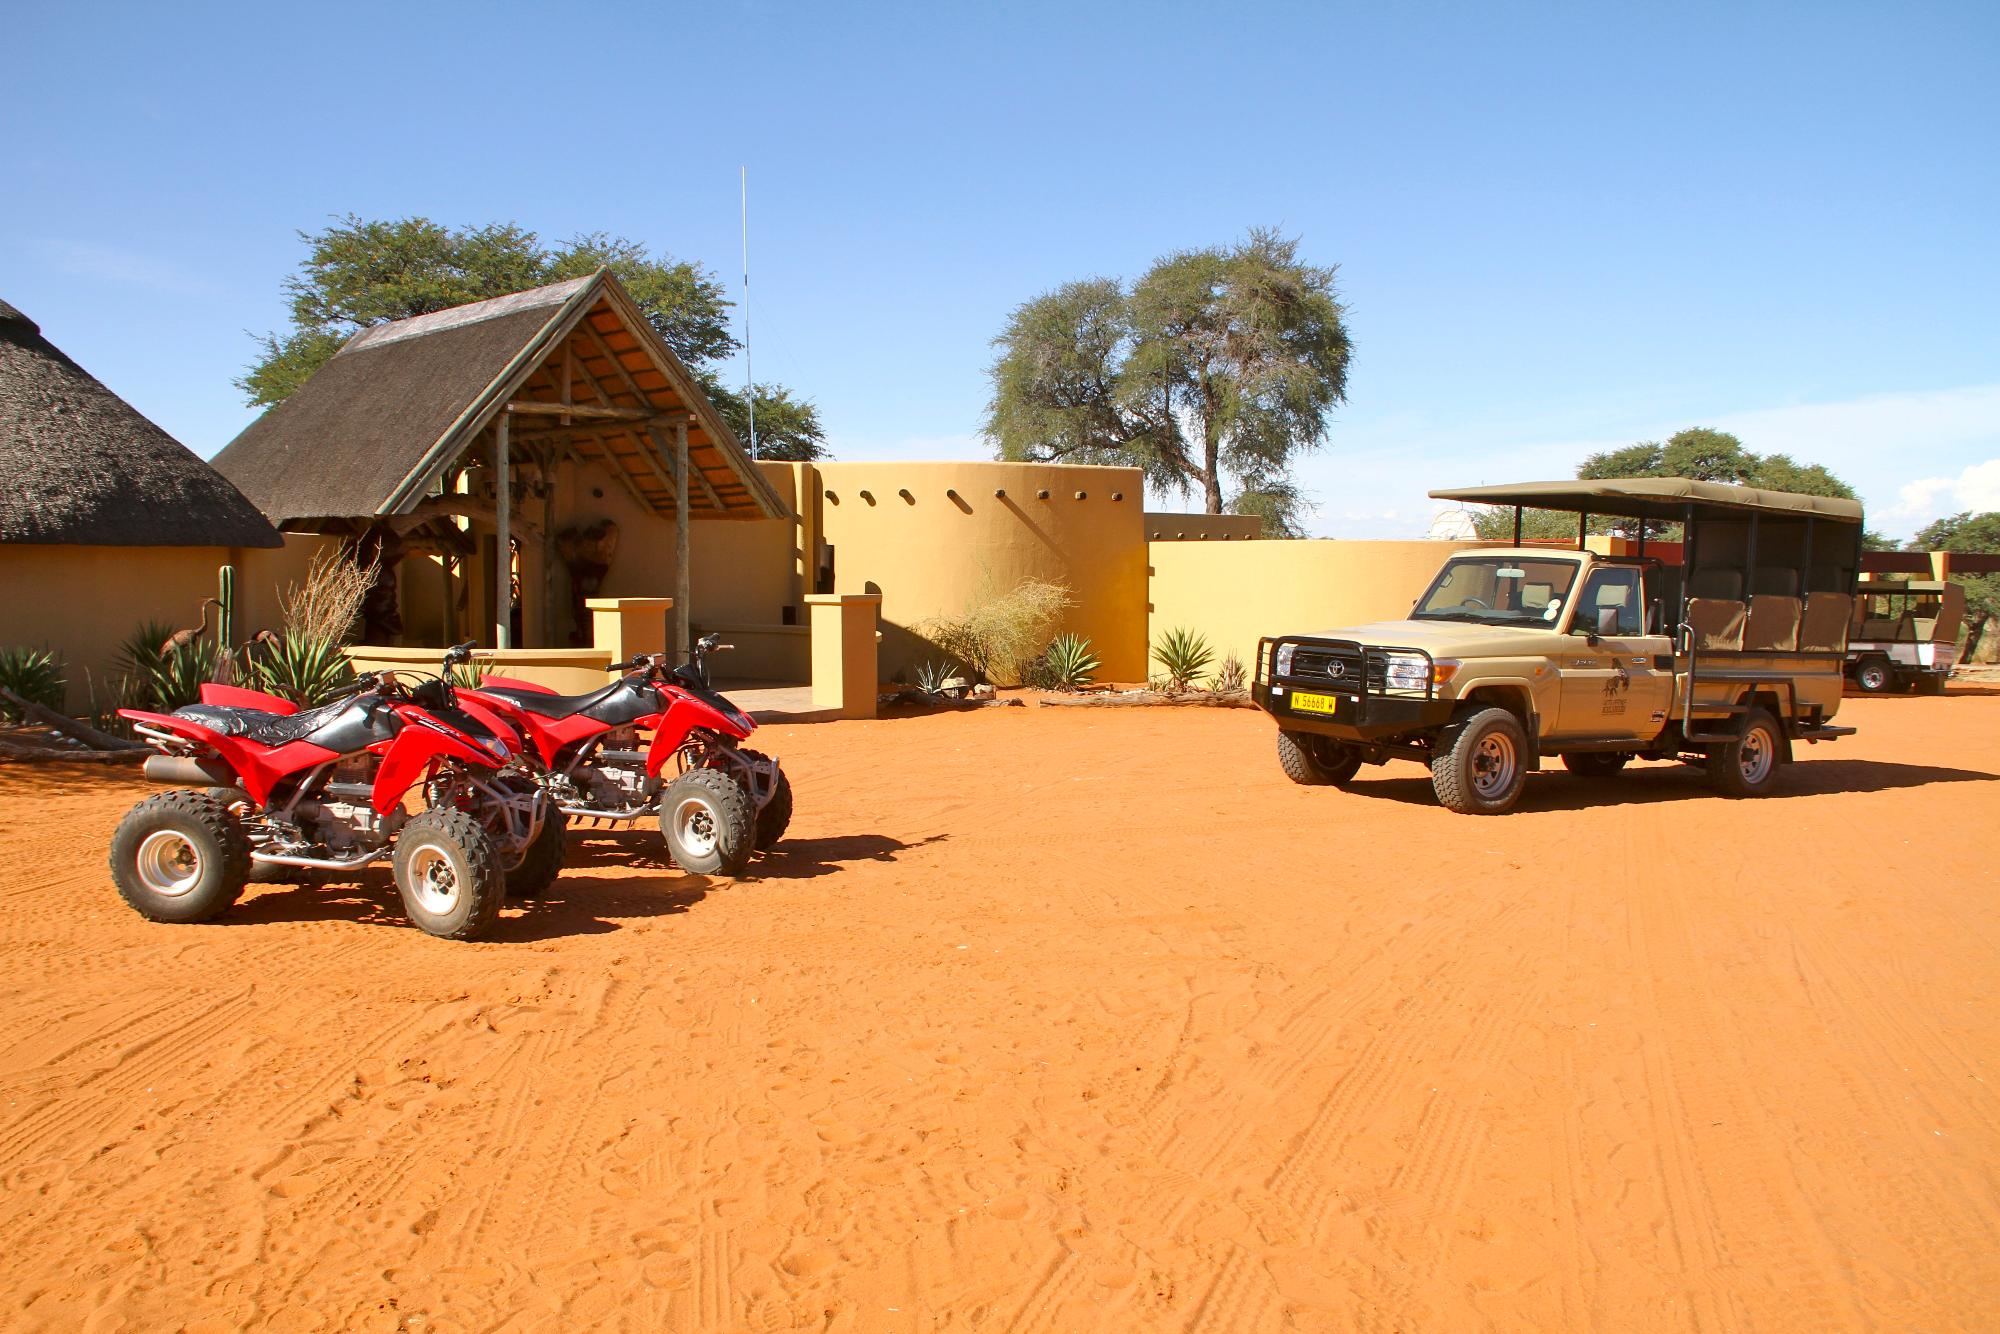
(1723, 647)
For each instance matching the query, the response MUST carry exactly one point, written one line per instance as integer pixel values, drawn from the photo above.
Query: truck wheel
(1314, 760)
(449, 875)
(180, 857)
(1480, 765)
(1748, 766)
(709, 822)
(1873, 676)
(1595, 763)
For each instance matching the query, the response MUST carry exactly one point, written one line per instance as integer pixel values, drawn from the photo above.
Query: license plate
(1304, 701)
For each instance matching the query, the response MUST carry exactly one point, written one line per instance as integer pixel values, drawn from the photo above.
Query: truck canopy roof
(1666, 498)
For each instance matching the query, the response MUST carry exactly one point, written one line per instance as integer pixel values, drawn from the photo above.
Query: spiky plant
(933, 673)
(162, 678)
(1072, 664)
(301, 668)
(33, 674)
(1231, 679)
(1185, 656)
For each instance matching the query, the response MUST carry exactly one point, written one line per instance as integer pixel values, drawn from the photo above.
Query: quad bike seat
(269, 729)
(616, 704)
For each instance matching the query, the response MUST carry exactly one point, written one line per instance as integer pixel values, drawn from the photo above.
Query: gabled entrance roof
(574, 365)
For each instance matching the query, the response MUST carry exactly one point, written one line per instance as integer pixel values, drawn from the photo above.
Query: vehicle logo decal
(1337, 669)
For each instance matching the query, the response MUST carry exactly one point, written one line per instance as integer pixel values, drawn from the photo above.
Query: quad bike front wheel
(449, 875)
(776, 816)
(180, 857)
(709, 821)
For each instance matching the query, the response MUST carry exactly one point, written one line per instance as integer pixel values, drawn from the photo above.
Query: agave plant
(933, 673)
(467, 675)
(162, 675)
(302, 668)
(33, 674)
(1231, 679)
(1072, 664)
(1185, 655)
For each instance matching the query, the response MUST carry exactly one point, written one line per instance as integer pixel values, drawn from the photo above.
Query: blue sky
(1559, 228)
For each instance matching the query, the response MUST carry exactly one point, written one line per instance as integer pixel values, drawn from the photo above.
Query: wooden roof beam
(583, 410)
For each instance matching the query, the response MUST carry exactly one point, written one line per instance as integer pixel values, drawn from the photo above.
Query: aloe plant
(1072, 664)
(1185, 655)
(305, 669)
(33, 674)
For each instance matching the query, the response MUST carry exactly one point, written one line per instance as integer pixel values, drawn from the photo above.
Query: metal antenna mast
(749, 383)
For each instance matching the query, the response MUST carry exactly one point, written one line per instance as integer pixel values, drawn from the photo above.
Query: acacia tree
(1213, 371)
(1700, 453)
(359, 273)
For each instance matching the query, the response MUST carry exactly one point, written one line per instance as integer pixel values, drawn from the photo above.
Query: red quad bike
(324, 790)
(719, 803)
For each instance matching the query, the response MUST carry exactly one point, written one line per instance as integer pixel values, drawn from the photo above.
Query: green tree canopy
(1217, 366)
(359, 273)
(1701, 453)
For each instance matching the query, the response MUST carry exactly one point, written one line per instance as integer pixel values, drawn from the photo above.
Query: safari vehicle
(1905, 635)
(1725, 659)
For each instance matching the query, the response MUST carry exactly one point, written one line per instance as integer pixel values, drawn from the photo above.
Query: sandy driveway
(1051, 1020)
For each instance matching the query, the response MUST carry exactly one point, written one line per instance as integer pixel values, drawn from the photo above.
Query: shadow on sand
(580, 903)
(1561, 791)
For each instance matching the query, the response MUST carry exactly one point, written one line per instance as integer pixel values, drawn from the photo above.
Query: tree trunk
(1211, 468)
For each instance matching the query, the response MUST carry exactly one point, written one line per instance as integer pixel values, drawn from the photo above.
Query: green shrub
(306, 670)
(163, 679)
(933, 673)
(1070, 662)
(999, 634)
(35, 675)
(1185, 656)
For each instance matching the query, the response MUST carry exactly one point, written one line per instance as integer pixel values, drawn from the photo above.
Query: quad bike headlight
(1407, 671)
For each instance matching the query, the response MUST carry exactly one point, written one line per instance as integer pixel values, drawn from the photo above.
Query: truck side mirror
(1607, 620)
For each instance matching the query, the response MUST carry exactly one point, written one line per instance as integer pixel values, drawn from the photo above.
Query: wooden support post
(551, 602)
(681, 583)
(503, 547)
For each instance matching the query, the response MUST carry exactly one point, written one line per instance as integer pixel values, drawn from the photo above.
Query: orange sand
(1051, 1020)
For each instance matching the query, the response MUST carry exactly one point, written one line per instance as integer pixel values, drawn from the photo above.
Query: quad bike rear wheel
(710, 823)
(180, 857)
(543, 861)
(449, 875)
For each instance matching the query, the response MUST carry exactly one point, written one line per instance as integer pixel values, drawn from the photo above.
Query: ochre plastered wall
(1236, 592)
(83, 602)
(933, 538)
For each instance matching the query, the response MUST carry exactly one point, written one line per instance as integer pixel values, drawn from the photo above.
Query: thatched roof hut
(372, 432)
(79, 465)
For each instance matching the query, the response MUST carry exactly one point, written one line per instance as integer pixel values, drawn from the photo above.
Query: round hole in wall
(1118, 495)
(867, 496)
(999, 493)
(597, 492)
(950, 494)
(1083, 495)
(907, 497)
(832, 498)
(1042, 494)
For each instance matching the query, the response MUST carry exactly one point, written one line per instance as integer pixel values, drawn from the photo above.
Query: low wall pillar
(628, 626)
(843, 651)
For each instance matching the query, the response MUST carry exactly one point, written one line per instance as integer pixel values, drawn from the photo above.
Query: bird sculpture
(180, 639)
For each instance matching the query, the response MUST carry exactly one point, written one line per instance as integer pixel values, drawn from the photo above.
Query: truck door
(1622, 685)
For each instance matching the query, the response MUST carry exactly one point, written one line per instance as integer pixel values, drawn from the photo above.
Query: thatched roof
(373, 431)
(79, 465)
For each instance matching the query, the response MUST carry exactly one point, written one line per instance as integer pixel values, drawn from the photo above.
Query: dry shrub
(996, 635)
(325, 608)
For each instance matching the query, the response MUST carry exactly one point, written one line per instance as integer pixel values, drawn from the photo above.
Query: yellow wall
(83, 602)
(1163, 526)
(1237, 592)
(952, 541)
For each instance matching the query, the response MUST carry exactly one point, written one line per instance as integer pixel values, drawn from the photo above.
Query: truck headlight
(1283, 667)
(1407, 671)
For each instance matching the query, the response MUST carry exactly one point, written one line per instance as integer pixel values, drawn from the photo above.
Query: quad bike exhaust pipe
(189, 771)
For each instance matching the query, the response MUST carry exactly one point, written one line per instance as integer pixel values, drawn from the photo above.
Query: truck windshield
(1499, 590)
